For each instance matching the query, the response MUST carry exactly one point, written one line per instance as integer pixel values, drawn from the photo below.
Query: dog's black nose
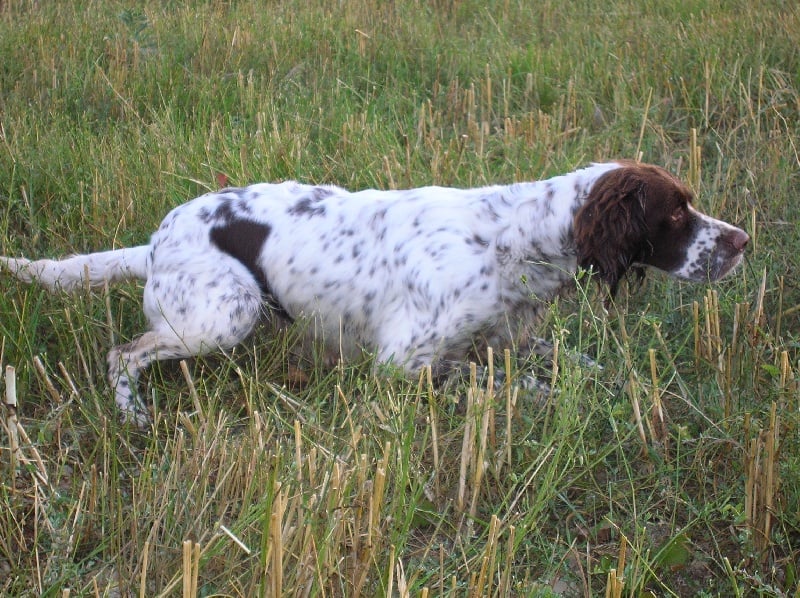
(739, 239)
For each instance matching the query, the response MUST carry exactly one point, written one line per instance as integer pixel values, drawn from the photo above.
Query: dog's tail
(76, 271)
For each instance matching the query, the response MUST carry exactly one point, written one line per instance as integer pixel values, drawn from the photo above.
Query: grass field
(673, 471)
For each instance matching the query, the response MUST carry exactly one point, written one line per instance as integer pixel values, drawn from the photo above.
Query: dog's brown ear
(610, 227)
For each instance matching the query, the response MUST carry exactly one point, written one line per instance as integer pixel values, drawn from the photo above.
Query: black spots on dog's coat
(310, 206)
(244, 240)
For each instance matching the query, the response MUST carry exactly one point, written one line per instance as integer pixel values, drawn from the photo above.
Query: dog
(416, 277)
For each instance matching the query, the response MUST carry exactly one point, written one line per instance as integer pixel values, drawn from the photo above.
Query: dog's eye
(678, 215)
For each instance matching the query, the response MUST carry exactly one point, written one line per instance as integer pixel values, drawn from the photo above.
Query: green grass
(675, 470)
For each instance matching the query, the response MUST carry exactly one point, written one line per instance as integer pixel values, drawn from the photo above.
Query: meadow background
(673, 471)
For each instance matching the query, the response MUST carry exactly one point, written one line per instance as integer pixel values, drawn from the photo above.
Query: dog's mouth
(725, 266)
(720, 253)
(714, 266)
(729, 252)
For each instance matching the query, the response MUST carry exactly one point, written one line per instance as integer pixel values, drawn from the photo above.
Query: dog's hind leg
(184, 321)
(125, 362)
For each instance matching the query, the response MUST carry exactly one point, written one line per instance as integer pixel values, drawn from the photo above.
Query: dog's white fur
(415, 276)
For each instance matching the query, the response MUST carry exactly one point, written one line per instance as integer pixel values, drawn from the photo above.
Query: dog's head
(640, 214)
